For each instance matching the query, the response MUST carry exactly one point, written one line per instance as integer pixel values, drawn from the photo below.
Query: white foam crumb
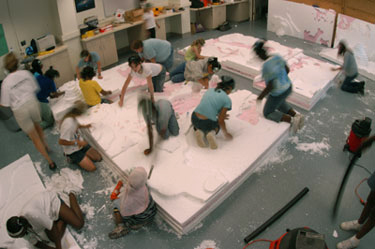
(200, 225)
(164, 227)
(55, 130)
(207, 244)
(335, 234)
(320, 148)
(92, 243)
(88, 210)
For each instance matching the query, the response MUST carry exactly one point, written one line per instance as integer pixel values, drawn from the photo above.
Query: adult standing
(89, 59)
(18, 92)
(155, 51)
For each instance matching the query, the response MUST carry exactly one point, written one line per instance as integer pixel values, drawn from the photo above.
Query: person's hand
(100, 77)
(109, 92)
(87, 126)
(147, 151)
(335, 68)
(228, 136)
(81, 143)
(121, 103)
(226, 116)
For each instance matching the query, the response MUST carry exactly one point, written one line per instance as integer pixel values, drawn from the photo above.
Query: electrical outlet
(23, 43)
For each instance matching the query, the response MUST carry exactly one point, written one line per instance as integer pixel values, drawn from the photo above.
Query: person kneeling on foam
(162, 115)
(209, 116)
(135, 207)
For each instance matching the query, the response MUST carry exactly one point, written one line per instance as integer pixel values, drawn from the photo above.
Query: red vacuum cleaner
(361, 129)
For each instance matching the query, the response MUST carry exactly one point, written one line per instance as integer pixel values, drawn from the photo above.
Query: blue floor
(286, 173)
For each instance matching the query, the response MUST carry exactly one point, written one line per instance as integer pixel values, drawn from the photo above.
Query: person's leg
(177, 75)
(152, 33)
(270, 109)
(39, 145)
(87, 164)
(40, 132)
(367, 218)
(94, 155)
(349, 86)
(173, 127)
(47, 117)
(72, 215)
(57, 232)
(158, 81)
(120, 229)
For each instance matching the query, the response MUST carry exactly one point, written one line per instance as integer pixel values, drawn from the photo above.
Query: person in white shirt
(77, 150)
(154, 73)
(45, 212)
(150, 22)
(18, 91)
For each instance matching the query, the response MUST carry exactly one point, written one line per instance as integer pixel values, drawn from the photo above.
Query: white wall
(31, 19)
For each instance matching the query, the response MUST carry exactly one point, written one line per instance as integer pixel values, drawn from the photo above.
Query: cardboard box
(134, 15)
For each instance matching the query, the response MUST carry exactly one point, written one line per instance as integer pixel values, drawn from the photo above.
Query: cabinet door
(61, 62)
(109, 50)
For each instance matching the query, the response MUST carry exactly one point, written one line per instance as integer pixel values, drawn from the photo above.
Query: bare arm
(80, 143)
(150, 138)
(221, 119)
(204, 82)
(123, 90)
(266, 90)
(151, 88)
(197, 52)
(104, 92)
(99, 70)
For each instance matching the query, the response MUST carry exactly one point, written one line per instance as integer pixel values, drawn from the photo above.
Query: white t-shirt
(148, 69)
(18, 88)
(41, 211)
(149, 19)
(68, 132)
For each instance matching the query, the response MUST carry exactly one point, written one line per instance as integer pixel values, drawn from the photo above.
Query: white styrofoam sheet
(302, 21)
(235, 53)
(19, 182)
(310, 77)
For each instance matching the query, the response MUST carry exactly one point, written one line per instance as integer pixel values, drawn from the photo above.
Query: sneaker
(296, 120)
(362, 88)
(351, 226)
(199, 135)
(353, 242)
(211, 138)
(301, 121)
(118, 232)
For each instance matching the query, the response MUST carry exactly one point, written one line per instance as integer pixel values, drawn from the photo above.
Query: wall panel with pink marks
(301, 21)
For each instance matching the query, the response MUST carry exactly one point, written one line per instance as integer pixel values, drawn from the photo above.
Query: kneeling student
(162, 115)
(137, 208)
(210, 114)
(78, 151)
(91, 90)
(45, 212)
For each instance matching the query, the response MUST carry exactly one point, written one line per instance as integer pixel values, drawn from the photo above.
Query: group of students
(135, 206)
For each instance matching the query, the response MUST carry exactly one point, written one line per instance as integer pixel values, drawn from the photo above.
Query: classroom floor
(313, 158)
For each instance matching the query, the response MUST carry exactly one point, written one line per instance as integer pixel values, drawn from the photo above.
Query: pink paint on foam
(312, 38)
(321, 14)
(185, 103)
(345, 22)
(324, 42)
(170, 88)
(297, 65)
(125, 72)
(250, 115)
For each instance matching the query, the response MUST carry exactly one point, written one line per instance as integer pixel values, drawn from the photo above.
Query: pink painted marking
(185, 103)
(345, 21)
(298, 64)
(313, 38)
(324, 42)
(250, 115)
(123, 72)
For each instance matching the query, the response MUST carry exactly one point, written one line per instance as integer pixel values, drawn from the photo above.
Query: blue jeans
(173, 128)
(168, 63)
(158, 81)
(177, 75)
(276, 106)
(205, 125)
(349, 86)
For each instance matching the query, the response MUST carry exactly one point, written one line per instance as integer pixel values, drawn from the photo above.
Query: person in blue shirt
(350, 70)
(209, 116)
(89, 59)
(155, 51)
(47, 89)
(162, 115)
(278, 88)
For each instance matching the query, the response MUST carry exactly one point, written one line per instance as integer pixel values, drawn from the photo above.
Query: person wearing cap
(18, 91)
(135, 207)
(77, 150)
(209, 116)
(350, 70)
(91, 89)
(199, 71)
(154, 73)
(278, 88)
(162, 115)
(155, 51)
(47, 89)
(45, 212)
(89, 59)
